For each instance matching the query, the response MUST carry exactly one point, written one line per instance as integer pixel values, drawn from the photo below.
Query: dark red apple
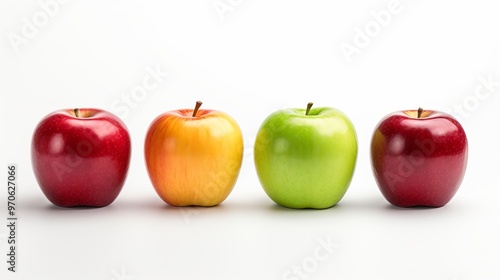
(419, 157)
(81, 157)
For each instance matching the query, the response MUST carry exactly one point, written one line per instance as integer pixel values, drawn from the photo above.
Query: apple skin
(306, 161)
(419, 161)
(81, 161)
(193, 161)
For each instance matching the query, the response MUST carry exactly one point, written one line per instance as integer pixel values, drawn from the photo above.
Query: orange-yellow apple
(193, 157)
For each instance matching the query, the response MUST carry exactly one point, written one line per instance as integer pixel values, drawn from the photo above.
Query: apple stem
(196, 108)
(309, 105)
(419, 112)
(77, 112)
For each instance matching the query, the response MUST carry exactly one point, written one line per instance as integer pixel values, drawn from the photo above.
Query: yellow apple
(193, 157)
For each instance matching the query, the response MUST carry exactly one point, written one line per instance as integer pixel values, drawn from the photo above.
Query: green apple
(305, 158)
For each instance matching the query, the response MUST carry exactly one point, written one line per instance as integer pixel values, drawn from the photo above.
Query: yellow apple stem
(196, 108)
(309, 105)
(77, 112)
(419, 112)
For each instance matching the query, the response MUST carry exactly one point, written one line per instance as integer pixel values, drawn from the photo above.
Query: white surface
(263, 56)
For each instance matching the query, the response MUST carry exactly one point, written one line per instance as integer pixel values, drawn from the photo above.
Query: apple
(80, 157)
(419, 157)
(193, 157)
(305, 158)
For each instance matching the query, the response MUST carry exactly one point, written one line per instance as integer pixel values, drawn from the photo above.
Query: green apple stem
(309, 105)
(419, 112)
(77, 112)
(196, 108)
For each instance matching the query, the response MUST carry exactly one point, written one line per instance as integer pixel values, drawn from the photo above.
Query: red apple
(193, 157)
(419, 157)
(81, 157)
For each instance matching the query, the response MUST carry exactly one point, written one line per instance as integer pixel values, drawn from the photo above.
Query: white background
(249, 60)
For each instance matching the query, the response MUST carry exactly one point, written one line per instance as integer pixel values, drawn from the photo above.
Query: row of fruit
(305, 158)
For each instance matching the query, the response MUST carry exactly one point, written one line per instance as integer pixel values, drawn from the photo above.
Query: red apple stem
(309, 105)
(419, 112)
(77, 112)
(196, 108)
